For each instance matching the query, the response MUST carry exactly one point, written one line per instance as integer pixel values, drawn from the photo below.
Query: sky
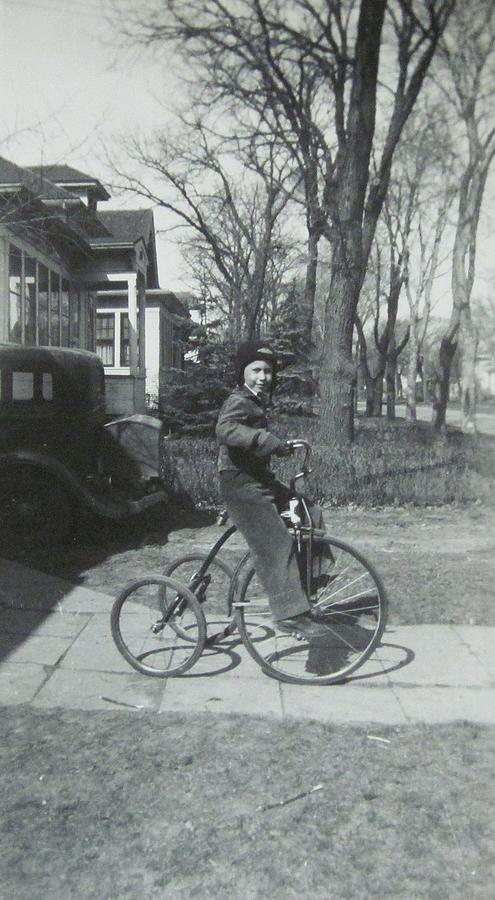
(67, 90)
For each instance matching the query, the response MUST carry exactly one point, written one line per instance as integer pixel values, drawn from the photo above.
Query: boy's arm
(232, 430)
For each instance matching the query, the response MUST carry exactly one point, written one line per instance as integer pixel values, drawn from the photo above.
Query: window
(43, 294)
(65, 313)
(113, 343)
(75, 318)
(30, 272)
(43, 307)
(124, 339)
(91, 318)
(55, 309)
(105, 337)
(15, 295)
(22, 385)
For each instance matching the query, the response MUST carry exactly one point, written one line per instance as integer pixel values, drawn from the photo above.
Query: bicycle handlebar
(301, 444)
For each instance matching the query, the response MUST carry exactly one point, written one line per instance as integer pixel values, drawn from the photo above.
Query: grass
(125, 805)
(389, 464)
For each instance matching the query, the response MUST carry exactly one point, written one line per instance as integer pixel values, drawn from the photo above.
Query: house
(75, 275)
(167, 327)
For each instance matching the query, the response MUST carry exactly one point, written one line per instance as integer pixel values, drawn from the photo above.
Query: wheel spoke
(351, 606)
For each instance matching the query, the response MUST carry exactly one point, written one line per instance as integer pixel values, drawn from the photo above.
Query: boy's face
(258, 376)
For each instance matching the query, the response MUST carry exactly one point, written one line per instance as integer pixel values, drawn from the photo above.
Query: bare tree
(419, 290)
(231, 213)
(468, 56)
(385, 283)
(315, 64)
(416, 208)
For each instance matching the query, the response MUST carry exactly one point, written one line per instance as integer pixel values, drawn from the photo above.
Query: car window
(22, 385)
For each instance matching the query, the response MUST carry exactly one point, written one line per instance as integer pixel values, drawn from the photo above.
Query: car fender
(22, 462)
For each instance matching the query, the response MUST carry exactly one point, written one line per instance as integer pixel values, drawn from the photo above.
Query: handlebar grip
(300, 444)
(222, 517)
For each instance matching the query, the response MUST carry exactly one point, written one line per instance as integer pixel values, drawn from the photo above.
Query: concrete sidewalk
(56, 650)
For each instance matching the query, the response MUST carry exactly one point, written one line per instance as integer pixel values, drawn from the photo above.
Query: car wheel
(35, 510)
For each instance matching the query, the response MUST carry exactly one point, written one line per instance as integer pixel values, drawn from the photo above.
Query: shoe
(304, 624)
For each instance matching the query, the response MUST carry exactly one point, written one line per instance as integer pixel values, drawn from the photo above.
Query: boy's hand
(285, 449)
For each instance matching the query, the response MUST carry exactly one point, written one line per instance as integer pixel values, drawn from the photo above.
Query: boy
(251, 492)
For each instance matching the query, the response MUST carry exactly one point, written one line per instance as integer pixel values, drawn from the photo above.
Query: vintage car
(59, 454)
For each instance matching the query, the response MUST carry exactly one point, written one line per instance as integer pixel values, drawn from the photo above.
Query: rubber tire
(51, 516)
(200, 558)
(192, 603)
(341, 676)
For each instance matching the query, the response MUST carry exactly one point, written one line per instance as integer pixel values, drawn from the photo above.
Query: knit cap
(248, 352)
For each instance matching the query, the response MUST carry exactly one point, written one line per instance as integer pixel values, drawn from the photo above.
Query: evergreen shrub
(190, 405)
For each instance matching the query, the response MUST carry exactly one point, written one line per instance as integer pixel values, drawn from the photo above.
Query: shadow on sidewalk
(222, 657)
(94, 542)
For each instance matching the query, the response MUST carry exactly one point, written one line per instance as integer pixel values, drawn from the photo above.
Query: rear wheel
(211, 587)
(35, 509)
(349, 598)
(158, 626)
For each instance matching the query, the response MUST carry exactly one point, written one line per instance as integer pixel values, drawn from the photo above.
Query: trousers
(253, 505)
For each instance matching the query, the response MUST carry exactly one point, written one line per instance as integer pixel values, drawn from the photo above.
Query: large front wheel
(349, 598)
(158, 626)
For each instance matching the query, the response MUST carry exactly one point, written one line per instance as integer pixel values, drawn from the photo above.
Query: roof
(12, 176)
(169, 300)
(66, 175)
(114, 230)
(126, 226)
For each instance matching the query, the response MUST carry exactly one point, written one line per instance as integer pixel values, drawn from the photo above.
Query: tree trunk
(412, 372)
(377, 397)
(390, 379)
(468, 342)
(448, 347)
(337, 375)
(369, 398)
(363, 368)
(348, 263)
(310, 286)
(391, 372)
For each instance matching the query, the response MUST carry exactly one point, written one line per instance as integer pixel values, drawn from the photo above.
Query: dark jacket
(242, 432)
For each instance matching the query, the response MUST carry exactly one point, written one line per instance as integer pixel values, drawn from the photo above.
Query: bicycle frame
(301, 527)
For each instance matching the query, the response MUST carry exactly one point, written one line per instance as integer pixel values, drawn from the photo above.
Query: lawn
(117, 805)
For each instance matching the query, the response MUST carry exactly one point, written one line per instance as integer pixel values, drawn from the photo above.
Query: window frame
(48, 301)
(109, 342)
